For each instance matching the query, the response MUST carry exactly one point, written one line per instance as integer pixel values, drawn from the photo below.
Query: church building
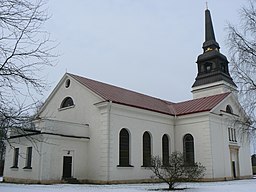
(94, 132)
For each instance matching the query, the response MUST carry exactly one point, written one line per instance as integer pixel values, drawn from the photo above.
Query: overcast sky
(149, 46)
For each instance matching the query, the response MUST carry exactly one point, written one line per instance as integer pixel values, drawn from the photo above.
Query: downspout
(108, 127)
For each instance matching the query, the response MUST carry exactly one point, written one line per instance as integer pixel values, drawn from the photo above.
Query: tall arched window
(124, 148)
(165, 149)
(188, 149)
(146, 149)
(68, 101)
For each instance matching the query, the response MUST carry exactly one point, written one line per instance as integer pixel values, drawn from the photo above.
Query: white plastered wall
(47, 158)
(84, 112)
(55, 148)
(212, 89)
(221, 146)
(20, 172)
(137, 121)
(198, 127)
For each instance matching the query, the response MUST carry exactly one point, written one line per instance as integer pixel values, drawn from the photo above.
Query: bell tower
(213, 72)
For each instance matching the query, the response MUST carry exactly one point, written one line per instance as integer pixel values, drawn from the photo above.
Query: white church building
(99, 133)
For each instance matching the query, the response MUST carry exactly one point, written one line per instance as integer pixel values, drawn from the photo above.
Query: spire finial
(206, 3)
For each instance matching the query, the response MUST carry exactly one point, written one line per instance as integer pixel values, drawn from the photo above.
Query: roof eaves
(193, 112)
(145, 108)
(209, 108)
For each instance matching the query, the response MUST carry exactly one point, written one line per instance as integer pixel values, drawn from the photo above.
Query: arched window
(208, 67)
(68, 101)
(229, 109)
(223, 67)
(146, 149)
(124, 148)
(188, 149)
(165, 149)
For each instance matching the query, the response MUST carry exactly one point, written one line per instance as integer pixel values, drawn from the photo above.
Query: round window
(67, 83)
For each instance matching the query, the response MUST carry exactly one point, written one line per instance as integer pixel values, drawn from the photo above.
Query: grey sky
(149, 46)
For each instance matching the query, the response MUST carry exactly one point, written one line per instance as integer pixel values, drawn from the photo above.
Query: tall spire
(213, 72)
(210, 42)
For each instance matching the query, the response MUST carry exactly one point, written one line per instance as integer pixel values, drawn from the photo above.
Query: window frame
(229, 109)
(229, 134)
(124, 148)
(146, 149)
(232, 135)
(208, 66)
(15, 163)
(67, 102)
(165, 150)
(189, 144)
(67, 83)
(28, 158)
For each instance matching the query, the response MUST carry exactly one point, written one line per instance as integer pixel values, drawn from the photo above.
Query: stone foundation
(30, 181)
(86, 181)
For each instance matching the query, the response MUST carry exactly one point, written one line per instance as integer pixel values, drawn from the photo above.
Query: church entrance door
(67, 166)
(234, 168)
(234, 160)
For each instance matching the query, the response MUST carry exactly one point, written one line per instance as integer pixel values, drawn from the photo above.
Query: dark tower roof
(212, 65)
(210, 41)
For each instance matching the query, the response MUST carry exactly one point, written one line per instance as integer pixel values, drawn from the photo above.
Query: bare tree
(2, 151)
(242, 47)
(175, 171)
(25, 50)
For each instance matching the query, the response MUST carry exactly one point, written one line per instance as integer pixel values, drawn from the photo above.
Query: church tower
(213, 72)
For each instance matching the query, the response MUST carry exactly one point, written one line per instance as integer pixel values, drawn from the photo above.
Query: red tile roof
(138, 100)
(199, 105)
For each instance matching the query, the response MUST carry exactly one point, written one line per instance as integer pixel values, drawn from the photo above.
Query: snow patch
(232, 186)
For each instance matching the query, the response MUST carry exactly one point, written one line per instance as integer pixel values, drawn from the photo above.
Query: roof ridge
(131, 98)
(126, 89)
(88, 86)
(227, 93)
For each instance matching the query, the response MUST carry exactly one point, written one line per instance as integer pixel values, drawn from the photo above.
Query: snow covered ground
(228, 186)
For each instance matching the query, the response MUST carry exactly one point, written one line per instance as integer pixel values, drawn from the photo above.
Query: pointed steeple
(210, 41)
(213, 72)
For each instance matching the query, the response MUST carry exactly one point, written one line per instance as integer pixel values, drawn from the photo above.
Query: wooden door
(234, 168)
(67, 166)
